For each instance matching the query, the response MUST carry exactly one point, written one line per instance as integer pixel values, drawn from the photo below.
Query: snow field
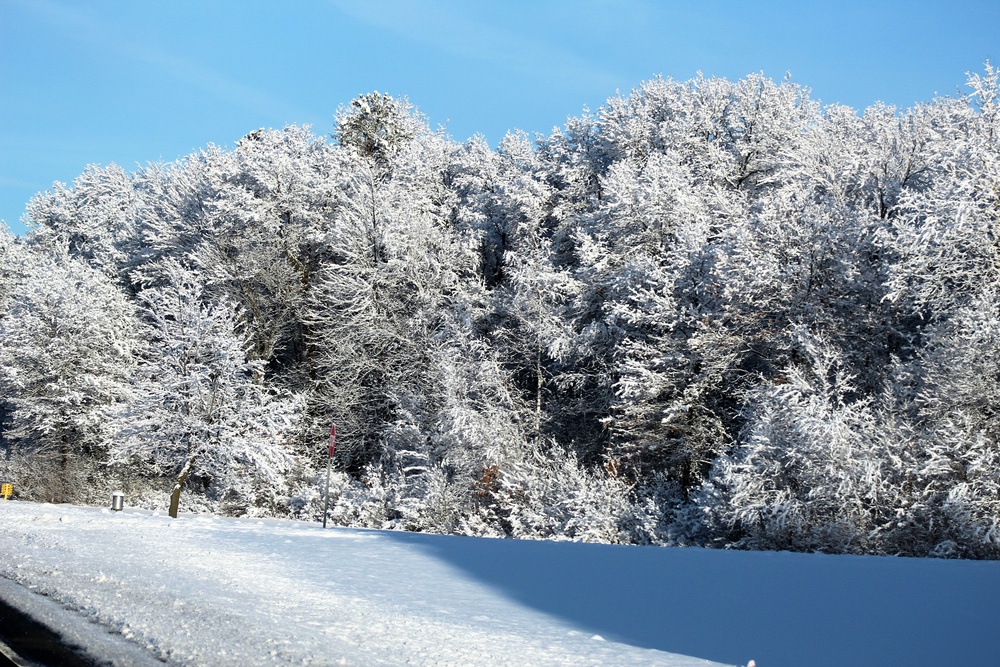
(204, 590)
(208, 591)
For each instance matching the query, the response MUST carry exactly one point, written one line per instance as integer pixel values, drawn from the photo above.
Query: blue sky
(139, 81)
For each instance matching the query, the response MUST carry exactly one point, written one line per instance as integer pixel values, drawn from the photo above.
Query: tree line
(710, 313)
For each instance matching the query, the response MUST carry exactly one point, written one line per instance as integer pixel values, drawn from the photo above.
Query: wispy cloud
(105, 34)
(446, 27)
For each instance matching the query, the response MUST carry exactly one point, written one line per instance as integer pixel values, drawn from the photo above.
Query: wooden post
(329, 460)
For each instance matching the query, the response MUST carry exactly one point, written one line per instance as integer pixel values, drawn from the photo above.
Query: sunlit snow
(214, 591)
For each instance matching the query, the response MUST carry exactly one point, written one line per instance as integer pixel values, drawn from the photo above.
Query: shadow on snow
(781, 609)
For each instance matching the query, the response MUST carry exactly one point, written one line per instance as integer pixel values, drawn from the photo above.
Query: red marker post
(329, 460)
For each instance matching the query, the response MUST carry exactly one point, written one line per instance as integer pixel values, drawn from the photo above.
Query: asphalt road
(27, 643)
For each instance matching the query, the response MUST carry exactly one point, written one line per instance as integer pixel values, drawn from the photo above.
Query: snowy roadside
(83, 637)
(203, 590)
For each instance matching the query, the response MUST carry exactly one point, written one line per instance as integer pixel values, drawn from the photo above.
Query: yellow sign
(6, 490)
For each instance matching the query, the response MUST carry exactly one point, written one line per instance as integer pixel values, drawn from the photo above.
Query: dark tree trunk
(175, 494)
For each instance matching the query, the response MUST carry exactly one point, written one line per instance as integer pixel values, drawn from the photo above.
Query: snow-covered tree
(16, 260)
(67, 345)
(377, 125)
(93, 219)
(269, 217)
(954, 477)
(944, 233)
(813, 469)
(708, 312)
(550, 495)
(199, 406)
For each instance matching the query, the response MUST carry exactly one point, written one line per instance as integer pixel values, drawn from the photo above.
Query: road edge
(78, 642)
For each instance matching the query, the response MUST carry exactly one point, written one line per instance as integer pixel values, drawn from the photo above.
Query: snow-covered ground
(203, 590)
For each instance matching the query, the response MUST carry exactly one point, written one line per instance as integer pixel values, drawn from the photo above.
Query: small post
(329, 460)
(118, 501)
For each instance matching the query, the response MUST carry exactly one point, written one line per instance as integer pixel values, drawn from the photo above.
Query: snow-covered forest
(709, 313)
